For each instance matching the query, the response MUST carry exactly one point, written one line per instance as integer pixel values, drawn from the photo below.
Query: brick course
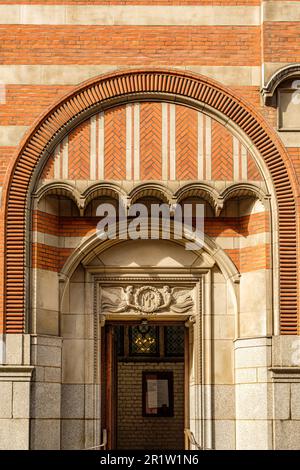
(127, 46)
(136, 431)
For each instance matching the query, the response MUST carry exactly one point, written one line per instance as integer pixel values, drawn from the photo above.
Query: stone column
(15, 392)
(286, 392)
(253, 393)
(46, 392)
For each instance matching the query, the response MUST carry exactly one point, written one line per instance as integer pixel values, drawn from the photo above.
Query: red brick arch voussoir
(120, 85)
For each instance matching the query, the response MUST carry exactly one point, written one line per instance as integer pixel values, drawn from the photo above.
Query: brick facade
(171, 101)
(137, 431)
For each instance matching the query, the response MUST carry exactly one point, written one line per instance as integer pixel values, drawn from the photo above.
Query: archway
(173, 86)
(205, 146)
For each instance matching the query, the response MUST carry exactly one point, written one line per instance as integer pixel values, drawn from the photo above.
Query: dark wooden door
(110, 402)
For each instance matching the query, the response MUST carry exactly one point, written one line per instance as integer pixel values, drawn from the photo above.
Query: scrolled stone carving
(147, 299)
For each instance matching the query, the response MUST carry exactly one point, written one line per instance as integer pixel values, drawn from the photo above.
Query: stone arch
(285, 73)
(173, 86)
(150, 189)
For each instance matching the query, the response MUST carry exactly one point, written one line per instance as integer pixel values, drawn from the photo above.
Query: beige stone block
(14, 434)
(219, 299)
(21, 400)
(281, 11)
(47, 322)
(46, 400)
(226, 243)
(224, 326)
(287, 435)
(252, 357)
(65, 299)
(77, 296)
(232, 307)
(217, 276)
(47, 290)
(263, 374)
(78, 275)
(223, 402)
(26, 349)
(282, 400)
(256, 342)
(295, 400)
(52, 374)
(52, 240)
(254, 240)
(75, 74)
(194, 398)
(91, 392)
(77, 326)
(39, 374)
(46, 356)
(11, 136)
(74, 361)
(137, 253)
(252, 401)
(286, 351)
(253, 435)
(223, 362)
(289, 138)
(244, 376)
(224, 434)
(43, 14)
(47, 340)
(72, 434)
(6, 400)
(252, 324)
(229, 75)
(163, 15)
(254, 299)
(72, 401)
(14, 349)
(10, 14)
(45, 434)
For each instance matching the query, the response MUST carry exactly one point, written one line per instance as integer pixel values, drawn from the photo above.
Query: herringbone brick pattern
(253, 171)
(48, 171)
(151, 141)
(79, 152)
(115, 144)
(186, 143)
(222, 153)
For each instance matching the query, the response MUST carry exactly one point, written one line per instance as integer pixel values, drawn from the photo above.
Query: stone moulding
(121, 87)
(278, 77)
(215, 198)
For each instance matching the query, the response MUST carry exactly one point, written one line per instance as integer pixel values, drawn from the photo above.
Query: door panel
(110, 401)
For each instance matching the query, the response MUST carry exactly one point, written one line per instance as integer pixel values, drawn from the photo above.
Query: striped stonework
(151, 141)
(187, 88)
(244, 238)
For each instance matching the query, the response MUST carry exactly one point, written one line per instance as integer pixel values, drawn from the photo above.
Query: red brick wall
(128, 46)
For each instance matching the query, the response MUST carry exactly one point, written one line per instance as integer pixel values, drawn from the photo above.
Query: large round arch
(110, 90)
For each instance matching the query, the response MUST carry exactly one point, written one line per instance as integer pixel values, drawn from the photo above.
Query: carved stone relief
(147, 300)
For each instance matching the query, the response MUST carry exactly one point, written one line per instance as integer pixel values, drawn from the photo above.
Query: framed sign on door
(157, 389)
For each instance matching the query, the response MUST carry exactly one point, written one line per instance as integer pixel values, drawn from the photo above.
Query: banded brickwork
(50, 47)
(151, 141)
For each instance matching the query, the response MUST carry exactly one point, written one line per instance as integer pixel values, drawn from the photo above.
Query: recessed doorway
(145, 385)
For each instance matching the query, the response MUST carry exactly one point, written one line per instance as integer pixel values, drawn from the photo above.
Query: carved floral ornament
(147, 300)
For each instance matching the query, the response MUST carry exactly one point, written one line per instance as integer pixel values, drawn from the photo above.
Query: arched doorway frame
(198, 363)
(204, 94)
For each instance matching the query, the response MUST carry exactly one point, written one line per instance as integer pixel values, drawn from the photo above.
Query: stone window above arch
(283, 92)
(288, 105)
